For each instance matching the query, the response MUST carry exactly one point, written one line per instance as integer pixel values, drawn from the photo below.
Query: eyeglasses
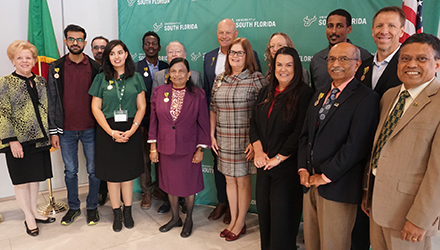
(342, 59)
(72, 40)
(419, 59)
(96, 47)
(236, 53)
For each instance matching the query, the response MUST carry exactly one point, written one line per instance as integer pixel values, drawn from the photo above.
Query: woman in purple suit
(179, 132)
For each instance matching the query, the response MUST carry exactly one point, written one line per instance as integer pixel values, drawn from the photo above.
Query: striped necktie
(389, 126)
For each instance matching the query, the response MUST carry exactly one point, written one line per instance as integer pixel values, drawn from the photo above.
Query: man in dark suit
(380, 72)
(147, 67)
(334, 145)
(214, 64)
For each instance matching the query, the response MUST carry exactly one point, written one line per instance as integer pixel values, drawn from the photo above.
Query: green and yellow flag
(41, 34)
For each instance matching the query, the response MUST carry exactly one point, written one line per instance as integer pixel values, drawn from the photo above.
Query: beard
(75, 51)
(98, 57)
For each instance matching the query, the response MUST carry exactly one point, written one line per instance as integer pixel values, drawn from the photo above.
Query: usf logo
(194, 56)
(308, 21)
(157, 27)
(131, 2)
(133, 56)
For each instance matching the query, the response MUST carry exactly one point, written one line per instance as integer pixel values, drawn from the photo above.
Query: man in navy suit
(147, 67)
(214, 64)
(334, 146)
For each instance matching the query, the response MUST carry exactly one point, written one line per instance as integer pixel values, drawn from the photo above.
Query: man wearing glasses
(402, 194)
(71, 119)
(333, 149)
(98, 46)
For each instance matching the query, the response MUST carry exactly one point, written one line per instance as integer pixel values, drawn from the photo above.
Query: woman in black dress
(24, 131)
(276, 123)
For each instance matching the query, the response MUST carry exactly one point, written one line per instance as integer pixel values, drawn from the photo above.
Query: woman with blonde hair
(24, 131)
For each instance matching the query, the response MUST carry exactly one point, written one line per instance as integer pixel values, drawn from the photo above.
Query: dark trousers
(279, 204)
(103, 187)
(220, 182)
(360, 236)
(146, 183)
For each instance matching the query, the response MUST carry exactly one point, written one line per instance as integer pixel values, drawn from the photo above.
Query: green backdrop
(194, 23)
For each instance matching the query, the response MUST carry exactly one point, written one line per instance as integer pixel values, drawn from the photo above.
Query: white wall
(97, 17)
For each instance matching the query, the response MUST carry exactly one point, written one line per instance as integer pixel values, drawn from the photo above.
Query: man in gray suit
(175, 49)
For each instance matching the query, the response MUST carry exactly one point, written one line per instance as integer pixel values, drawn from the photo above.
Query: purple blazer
(189, 130)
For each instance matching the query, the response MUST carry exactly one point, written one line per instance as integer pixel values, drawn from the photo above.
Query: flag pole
(53, 207)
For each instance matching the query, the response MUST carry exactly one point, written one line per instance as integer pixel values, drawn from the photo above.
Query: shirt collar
(220, 52)
(387, 60)
(84, 61)
(343, 85)
(414, 92)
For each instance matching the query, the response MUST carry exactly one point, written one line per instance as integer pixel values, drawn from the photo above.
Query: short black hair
(98, 37)
(341, 12)
(74, 27)
(433, 41)
(151, 33)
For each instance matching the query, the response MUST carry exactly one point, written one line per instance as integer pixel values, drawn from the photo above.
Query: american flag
(413, 12)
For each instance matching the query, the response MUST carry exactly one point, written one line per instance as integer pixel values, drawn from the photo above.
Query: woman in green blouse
(118, 105)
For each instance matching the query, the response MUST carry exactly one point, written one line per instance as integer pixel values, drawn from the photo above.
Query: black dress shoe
(167, 227)
(33, 232)
(187, 230)
(46, 221)
(165, 208)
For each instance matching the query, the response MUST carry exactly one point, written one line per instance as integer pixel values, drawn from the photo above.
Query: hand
(198, 156)
(55, 141)
(260, 159)
(154, 157)
(317, 180)
(412, 232)
(16, 149)
(273, 162)
(364, 204)
(249, 152)
(304, 177)
(214, 145)
(127, 134)
(118, 136)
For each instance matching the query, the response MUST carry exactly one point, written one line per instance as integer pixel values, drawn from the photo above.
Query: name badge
(121, 115)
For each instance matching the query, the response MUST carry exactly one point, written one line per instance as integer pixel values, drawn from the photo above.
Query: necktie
(389, 126)
(327, 105)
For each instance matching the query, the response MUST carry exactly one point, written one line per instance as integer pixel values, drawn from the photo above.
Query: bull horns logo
(308, 22)
(157, 27)
(194, 57)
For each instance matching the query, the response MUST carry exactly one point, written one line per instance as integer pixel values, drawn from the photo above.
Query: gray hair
(176, 42)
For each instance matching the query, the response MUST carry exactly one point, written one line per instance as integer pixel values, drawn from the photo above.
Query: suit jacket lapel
(167, 105)
(317, 104)
(368, 75)
(422, 100)
(388, 72)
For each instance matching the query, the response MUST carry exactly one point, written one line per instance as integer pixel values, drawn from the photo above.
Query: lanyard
(120, 94)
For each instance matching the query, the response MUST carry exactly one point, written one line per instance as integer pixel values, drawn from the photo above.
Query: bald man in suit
(402, 183)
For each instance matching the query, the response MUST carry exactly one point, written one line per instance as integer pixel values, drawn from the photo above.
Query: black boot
(117, 221)
(128, 219)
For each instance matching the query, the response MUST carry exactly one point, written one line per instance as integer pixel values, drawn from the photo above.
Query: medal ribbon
(119, 93)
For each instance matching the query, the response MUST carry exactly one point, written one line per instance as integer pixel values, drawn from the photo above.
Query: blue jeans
(69, 151)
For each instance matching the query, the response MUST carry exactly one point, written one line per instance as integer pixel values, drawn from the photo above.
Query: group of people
(357, 167)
